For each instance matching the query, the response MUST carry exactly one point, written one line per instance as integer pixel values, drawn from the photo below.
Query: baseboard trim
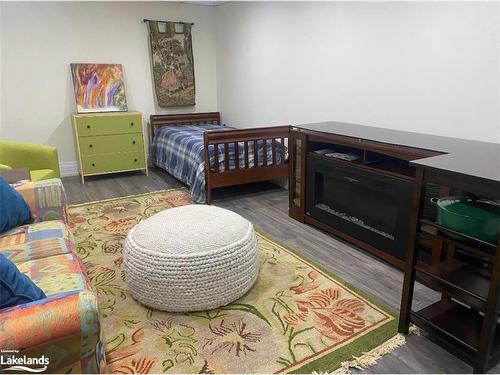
(69, 168)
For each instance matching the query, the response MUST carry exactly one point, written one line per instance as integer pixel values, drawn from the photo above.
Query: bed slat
(245, 151)
(282, 151)
(273, 150)
(236, 155)
(226, 157)
(216, 157)
(255, 154)
(264, 151)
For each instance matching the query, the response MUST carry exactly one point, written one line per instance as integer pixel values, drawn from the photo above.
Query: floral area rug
(296, 318)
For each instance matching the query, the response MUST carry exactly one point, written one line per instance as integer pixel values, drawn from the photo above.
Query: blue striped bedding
(179, 151)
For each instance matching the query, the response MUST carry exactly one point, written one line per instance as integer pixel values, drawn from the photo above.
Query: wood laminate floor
(266, 205)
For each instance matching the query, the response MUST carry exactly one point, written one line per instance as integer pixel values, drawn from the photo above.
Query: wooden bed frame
(214, 176)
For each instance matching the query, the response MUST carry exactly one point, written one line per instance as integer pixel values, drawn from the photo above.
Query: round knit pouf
(191, 258)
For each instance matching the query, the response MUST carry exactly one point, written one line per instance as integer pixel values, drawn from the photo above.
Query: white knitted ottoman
(191, 258)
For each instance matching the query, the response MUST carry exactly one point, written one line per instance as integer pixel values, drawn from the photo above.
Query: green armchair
(41, 160)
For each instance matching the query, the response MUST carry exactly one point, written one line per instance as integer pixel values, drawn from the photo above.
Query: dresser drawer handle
(93, 164)
(133, 142)
(135, 159)
(91, 146)
(88, 126)
(131, 124)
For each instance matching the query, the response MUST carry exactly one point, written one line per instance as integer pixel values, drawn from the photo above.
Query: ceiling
(206, 3)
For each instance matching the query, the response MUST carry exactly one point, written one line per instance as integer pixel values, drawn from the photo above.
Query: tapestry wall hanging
(99, 88)
(173, 66)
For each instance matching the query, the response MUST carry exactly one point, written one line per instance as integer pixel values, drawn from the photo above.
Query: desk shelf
(465, 320)
(457, 323)
(464, 282)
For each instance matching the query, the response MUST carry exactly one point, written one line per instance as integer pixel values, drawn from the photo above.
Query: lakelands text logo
(16, 362)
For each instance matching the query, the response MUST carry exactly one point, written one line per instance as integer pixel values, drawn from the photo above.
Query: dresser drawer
(105, 144)
(120, 161)
(90, 125)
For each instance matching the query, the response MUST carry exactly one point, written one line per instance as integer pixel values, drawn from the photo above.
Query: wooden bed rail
(244, 170)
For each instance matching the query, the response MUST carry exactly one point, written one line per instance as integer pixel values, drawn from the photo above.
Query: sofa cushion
(56, 274)
(42, 174)
(37, 240)
(15, 211)
(15, 287)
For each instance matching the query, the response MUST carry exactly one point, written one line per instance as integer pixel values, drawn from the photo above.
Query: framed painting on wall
(99, 88)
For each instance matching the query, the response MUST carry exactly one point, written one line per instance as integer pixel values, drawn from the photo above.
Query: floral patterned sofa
(65, 326)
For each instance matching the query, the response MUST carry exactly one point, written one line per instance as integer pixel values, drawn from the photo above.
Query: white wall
(40, 40)
(419, 66)
(422, 66)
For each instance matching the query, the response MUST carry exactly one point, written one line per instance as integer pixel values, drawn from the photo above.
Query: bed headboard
(157, 121)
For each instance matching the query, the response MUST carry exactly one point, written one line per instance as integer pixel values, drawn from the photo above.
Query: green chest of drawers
(109, 143)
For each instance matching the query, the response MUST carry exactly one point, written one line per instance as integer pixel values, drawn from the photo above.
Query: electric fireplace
(365, 205)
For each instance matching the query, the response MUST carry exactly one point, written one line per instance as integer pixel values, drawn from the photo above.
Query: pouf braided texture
(191, 258)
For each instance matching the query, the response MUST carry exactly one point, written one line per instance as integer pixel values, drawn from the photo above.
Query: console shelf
(463, 277)
(463, 239)
(458, 323)
(465, 320)
(376, 162)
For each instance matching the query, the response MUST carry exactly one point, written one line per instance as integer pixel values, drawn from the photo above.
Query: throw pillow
(14, 210)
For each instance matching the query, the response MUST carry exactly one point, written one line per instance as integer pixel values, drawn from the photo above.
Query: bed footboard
(246, 165)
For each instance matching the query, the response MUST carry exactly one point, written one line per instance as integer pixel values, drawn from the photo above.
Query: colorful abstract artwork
(99, 87)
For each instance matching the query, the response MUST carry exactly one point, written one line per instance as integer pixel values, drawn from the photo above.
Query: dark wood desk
(461, 268)
(15, 175)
